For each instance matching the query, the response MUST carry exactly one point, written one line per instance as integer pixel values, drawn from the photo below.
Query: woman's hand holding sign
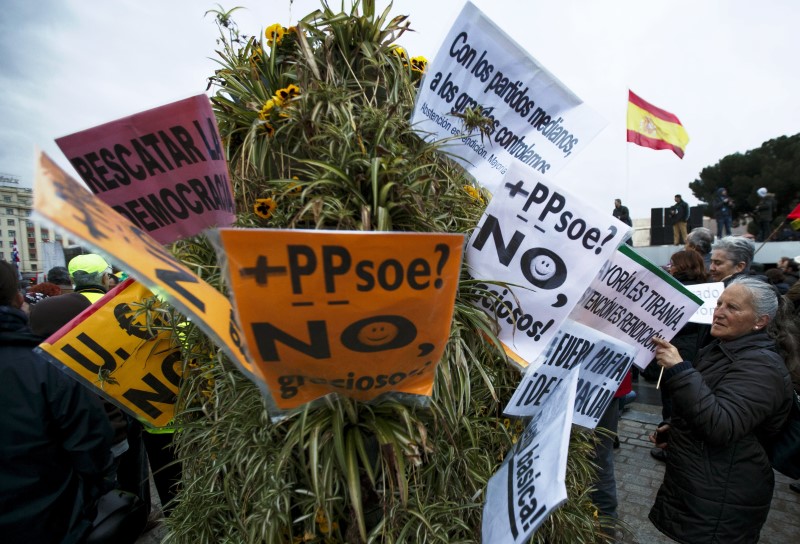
(667, 356)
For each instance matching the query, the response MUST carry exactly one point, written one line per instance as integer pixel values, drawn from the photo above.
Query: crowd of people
(63, 448)
(762, 226)
(727, 389)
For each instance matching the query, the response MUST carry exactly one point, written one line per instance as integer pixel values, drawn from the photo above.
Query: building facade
(16, 205)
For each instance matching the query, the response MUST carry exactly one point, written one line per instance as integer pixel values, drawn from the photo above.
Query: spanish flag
(794, 218)
(653, 127)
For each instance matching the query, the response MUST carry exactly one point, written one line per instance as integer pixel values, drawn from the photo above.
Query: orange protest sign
(354, 313)
(109, 348)
(62, 201)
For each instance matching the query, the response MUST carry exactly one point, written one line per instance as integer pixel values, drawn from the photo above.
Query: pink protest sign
(162, 169)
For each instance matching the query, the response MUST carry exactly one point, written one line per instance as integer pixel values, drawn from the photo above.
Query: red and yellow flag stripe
(650, 126)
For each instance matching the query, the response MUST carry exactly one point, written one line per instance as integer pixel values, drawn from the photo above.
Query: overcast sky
(727, 68)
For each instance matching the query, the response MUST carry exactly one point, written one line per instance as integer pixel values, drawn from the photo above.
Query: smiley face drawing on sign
(379, 333)
(544, 269)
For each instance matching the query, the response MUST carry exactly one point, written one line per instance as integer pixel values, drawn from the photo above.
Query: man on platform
(679, 215)
(621, 212)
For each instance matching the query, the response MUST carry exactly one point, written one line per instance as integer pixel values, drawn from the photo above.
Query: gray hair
(700, 238)
(784, 327)
(738, 248)
(764, 295)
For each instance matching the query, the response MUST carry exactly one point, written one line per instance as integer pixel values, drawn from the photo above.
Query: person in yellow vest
(90, 275)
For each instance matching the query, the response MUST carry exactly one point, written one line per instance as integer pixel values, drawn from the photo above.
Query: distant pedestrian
(621, 212)
(765, 212)
(60, 276)
(723, 211)
(90, 275)
(776, 278)
(700, 240)
(789, 267)
(679, 215)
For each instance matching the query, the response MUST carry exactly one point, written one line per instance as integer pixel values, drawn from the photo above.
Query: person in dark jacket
(776, 278)
(59, 275)
(765, 212)
(621, 212)
(789, 267)
(723, 211)
(718, 482)
(679, 215)
(55, 457)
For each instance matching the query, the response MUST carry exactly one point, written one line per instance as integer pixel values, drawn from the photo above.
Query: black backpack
(783, 449)
(121, 517)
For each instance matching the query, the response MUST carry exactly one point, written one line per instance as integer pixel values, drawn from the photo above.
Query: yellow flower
(473, 192)
(322, 520)
(274, 34)
(287, 93)
(255, 56)
(400, 52)
(419, 64)
(264, 207)
(266, 108)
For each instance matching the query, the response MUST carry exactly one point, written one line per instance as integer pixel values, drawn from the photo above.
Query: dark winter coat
(54, 443)
(718, 482)
(721, 204)
(765, 209)
(623, 215)
(679, 212)
(685, 340)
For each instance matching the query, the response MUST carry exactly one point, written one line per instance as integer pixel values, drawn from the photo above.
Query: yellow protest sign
(62, 201)
(109, 348)
(354, 313)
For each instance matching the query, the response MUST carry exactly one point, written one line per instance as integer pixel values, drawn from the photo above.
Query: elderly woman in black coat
(718, 483)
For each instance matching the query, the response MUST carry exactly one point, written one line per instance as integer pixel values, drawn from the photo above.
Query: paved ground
(157, 532)
(639, 477)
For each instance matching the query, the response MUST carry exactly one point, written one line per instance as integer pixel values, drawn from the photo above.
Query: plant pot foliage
(315, 122)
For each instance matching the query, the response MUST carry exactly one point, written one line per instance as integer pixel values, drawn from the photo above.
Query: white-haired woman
(718, 482)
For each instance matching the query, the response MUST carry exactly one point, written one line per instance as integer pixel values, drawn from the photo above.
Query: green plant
(315, 123)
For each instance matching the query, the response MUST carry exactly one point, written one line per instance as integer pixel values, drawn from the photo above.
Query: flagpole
(768, 238)
(627, 169)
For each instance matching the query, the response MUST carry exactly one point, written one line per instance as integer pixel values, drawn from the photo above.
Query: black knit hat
(52, 313)
(59, 275)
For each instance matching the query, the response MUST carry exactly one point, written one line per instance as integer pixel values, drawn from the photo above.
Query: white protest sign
(600, 362)
(535, 119)
(545, 244)
(708, 293)
(633, 300)
(530, 483)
